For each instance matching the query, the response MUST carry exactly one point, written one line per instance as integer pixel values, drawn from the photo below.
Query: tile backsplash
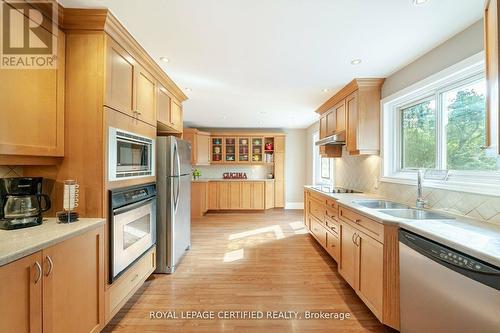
(10, 171)
(363, 173)
(252, 171)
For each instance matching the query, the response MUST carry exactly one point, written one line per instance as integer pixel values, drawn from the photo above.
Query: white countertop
(475, 238)
(19, 243)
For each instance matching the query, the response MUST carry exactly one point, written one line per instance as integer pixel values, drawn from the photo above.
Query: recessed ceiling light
(419, 2)
(164, 59)
(188, 89)
(356, 62)
(325, 90)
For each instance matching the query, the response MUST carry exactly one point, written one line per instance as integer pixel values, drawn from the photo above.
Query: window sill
(492, 188)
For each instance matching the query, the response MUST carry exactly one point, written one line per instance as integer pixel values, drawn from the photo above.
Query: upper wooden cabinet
(59, 289)
(129, 87)
(200, 145)
(176, 115)
(356, 110)
(146, 94)
(32, 108)
(163, 104)
(120, 78)
(491, 35)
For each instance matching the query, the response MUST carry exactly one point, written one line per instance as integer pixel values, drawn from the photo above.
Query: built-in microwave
(130, 155)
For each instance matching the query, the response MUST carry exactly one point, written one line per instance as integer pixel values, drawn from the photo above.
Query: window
(440, 123)
(322, 167)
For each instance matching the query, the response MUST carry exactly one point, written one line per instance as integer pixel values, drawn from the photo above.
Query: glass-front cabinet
(216, 150)
(230, 150)
(257, 150)
(243, 150)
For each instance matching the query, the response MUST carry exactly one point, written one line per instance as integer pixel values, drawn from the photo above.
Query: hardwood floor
(249, 262)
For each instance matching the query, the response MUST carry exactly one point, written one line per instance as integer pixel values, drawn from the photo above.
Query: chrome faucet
(420, 197)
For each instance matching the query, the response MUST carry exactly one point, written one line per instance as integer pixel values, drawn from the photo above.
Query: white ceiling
(265, 63)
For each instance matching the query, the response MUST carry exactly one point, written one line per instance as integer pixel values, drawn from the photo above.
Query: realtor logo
(28, 35)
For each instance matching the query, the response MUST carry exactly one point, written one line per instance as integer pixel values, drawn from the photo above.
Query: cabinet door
(340, 117)
(21, 295)
(32, 108)
(230, 150)
(323, 132)
(202, 149)
(73, 284)
(244, 150)
(279, 179)
(163, 107)
(234, 195)
(120, 78)
(224, 195)
(257, 150)
(146, 97)
(258, 194)
(269, 195)
(371, 264)
(333, 245)
(213, 196)
(348, 254)
(246, 195)
(351, 103)
(331, 121)
(176, 116)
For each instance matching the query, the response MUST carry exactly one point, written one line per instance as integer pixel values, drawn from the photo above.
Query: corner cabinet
(354, 110)
(59, 289)
(200, 145)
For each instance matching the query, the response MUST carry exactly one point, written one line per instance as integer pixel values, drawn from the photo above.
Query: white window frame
(468, 70)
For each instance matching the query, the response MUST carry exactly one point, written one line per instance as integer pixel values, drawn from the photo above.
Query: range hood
(336, 139)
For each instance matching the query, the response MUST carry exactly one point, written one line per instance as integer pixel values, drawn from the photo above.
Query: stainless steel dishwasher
(444, 290)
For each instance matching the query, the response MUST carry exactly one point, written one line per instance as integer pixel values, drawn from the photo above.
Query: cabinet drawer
(318, 231)
(332, 226)
(316, 209)
(331, 213)
(370, 227)
(130, 281)
(317, 197)
(332, 204)
(333, 245)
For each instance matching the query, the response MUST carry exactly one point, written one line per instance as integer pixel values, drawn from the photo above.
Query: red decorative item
(234, 175)
(269, 146)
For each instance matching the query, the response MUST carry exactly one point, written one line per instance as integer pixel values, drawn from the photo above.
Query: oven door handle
(130, 207)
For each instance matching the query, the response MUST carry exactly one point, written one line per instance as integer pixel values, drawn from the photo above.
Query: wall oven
(130, 155)
(132, 225)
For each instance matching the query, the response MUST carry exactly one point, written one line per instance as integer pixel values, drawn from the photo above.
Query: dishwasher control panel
(458, 259)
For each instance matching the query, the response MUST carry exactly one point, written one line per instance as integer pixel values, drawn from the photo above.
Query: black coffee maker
(21, 202)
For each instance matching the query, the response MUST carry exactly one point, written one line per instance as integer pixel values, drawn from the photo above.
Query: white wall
(459, 47)
(363, 172)
(295, 168)
(309, 153)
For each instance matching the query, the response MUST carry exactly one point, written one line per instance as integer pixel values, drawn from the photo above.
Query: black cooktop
(333, 189)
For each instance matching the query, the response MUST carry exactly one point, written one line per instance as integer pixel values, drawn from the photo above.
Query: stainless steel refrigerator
(173, 183)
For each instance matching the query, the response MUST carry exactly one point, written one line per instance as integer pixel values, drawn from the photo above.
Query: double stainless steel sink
(401, 211)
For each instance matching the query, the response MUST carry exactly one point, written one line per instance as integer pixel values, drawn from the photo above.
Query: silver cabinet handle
(51, 265)
(39, 272)
(352, 238)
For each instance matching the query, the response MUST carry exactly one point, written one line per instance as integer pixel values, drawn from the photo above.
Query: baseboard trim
(294, 205)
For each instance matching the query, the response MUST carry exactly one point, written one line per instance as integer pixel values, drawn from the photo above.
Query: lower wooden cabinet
(239, 195)
(57, 290)
(348, 254)
(131, 280)
(21, 295)
(199, 198)
(365, 250)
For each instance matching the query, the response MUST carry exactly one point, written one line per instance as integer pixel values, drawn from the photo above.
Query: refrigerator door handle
(177, 175)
